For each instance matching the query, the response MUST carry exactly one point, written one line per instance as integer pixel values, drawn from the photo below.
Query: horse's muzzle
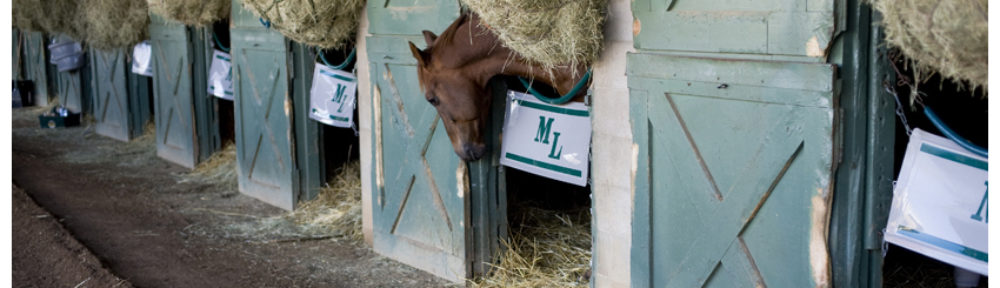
(472, 152)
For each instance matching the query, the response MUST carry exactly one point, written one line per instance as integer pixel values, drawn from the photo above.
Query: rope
(219, 43)
(952, 135)
(346, 62)
(562, 99)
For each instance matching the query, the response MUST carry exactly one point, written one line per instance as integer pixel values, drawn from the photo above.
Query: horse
(453, 72)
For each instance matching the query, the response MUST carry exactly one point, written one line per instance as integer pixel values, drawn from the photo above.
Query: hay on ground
(944, 36)
(220, 168)
(552, 249)
(322, 23)
(196, 13)
(550, 33)
(334, 214)
(116, 23)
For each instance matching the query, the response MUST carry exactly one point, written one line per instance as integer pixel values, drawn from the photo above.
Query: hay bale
(115, 23)
(322, 23)
(552, 249)
(550, 33)
(944, 36)
(24, 15)
(196, 13)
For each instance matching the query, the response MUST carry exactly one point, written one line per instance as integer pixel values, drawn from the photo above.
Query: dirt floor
(140, 221)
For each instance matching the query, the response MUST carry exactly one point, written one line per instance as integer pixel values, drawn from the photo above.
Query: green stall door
(182, 114)
(70, 89)
(734, 175)
(173, 92)
(111, 101)
(422, 215)
(36, 65)
(265, 143)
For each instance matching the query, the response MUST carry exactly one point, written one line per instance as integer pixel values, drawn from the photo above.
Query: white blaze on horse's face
(460, 99)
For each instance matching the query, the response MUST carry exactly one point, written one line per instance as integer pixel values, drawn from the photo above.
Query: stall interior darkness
(224, 108)
(965, 111)
(526, 190)
(340, 145)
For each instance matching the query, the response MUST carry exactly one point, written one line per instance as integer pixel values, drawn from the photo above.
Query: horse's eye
(433, 101)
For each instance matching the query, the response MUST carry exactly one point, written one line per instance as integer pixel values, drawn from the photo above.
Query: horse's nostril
(474, 152)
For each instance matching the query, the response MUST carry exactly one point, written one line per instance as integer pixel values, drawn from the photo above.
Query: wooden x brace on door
(728, 214)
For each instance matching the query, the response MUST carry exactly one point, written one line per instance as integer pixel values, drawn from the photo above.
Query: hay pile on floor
(220, 168)
(944, 36)
(116, 23)
(550, 33)
(196, 13)
(334, 214)
(551, 249)
(322, 23)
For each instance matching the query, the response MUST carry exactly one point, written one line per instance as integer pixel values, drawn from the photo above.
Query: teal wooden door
(70, 90)
(17, 56)
(36, 65)
(111, 101)
(732, 109)
(264, 111)
(421, 203)
(173, 92)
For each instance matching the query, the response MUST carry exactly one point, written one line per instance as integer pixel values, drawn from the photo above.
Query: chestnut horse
(453, 72)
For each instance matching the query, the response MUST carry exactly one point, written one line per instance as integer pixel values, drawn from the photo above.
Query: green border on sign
(958, 158)
(944, 244)
(543, 165)
(553, 109)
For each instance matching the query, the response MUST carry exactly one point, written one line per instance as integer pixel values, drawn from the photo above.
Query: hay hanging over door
(322, 23)
(103, 24)
(196, 13)
(943, 36)
(51, 17)
(115, 23)
(550, 33)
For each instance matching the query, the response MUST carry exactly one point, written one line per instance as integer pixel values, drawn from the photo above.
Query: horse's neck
(491, 58)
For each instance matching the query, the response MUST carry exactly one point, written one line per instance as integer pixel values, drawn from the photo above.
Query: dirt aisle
(41, 246)
(154, 230)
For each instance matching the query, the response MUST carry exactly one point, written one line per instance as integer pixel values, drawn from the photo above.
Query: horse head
(457, 92)
(454, 69)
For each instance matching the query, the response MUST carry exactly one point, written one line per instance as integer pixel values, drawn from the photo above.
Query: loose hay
(220, 168)
(334, 214)
(550, 33)
(196, 13)
(322, 23)
(552, 249)
(115, 23)
(51, 16)
(944, 36)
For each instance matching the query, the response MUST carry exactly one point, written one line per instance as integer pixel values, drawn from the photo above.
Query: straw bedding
(196, 13)
(944, 36)
(321, 23)
(551, 249)
(550, 33)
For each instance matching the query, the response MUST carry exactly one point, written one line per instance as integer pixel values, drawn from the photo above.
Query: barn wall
(612, 144)
(365, 123)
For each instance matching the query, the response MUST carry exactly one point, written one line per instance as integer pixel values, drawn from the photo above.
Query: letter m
(544, 127)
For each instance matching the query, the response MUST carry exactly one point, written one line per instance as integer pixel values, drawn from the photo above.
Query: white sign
(332, 97)
(142, 59)
(939, 206)
(220, 76)
(552, 141)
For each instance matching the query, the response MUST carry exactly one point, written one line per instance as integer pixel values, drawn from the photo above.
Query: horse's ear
(421, 56)
(430, 38)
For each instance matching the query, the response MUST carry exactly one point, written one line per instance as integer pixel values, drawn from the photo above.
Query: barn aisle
(150, 225)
